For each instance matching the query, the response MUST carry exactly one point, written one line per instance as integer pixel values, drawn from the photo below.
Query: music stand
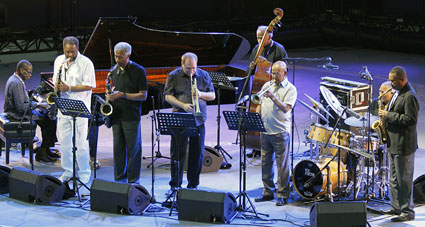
(73, 108)
(176, 124)
(220, 81)
(243, 122)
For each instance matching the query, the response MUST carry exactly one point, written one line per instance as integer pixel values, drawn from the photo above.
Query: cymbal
(314, 111)
(364, 154)
(333, 102)
(319, 105)
(355, 122)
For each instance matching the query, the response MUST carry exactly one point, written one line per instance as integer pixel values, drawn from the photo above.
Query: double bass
(262, 75)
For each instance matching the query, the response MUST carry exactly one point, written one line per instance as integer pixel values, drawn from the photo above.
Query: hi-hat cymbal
(333, 102)
(355, 122)
(319, 105)
(314, 111)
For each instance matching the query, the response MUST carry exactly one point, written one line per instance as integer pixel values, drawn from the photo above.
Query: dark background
(387, 24)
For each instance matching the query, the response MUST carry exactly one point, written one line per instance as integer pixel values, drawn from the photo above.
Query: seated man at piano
(17, 106)
(182, 85)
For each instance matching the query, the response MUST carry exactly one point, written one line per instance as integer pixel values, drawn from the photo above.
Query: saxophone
(55, 94)
(379, 125)
(106, 108)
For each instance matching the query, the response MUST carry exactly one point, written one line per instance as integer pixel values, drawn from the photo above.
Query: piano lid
(158, 48)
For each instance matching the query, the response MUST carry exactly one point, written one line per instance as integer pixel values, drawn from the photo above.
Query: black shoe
(254, 154)
(94, 164)
(53, 155)
(390, 212)
(264, 198)
(281, 201)
(43, 157)
(403, 217)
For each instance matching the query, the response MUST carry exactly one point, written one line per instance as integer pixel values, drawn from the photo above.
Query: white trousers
(65, 129)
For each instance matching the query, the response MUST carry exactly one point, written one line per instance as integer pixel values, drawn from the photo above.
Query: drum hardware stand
(243, 122)
(73, 108)
(177, 125)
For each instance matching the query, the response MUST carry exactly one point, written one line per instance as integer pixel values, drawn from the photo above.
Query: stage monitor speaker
(338, 214)
(419, 189)
(212, 160)
(117, 197)
(30, 186)
(204, 206)
(4, 179)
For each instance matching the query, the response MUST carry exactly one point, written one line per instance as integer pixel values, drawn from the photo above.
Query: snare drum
(319, 133)
(356, 143)
(306, 169)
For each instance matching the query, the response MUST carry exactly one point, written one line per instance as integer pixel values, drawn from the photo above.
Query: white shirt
(274, 119)
(79, 72)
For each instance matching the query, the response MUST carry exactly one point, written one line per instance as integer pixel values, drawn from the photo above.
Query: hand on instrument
(43, 105)
(382, 113)
(188, 107)
(114, 96)
(270, 95)
(62, 87)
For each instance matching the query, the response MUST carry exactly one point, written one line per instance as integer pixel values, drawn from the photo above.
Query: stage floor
(296, 212)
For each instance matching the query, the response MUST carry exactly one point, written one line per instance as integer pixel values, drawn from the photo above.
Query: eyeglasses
(26, 70)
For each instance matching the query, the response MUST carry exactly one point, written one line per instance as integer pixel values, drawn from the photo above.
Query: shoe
(52, 154)
(94, 164)
(254, 154)
(264, 198)
(42, 155)
(192, 187)
(65, 177)
(281, 201)
(390, 212)
(84, 179)
(403, 217)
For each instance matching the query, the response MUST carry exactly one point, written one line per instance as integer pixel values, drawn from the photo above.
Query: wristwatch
(124, 95)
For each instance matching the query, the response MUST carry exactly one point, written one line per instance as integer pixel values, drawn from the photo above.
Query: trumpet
(256, 98)
(55, 94)
(106, 108)
(195, 96)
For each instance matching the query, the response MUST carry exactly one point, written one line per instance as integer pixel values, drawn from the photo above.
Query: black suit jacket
(401, 122)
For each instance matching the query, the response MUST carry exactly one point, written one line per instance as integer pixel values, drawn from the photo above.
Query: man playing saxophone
(179, 92)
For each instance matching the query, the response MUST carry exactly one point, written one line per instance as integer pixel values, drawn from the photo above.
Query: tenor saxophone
(106, 108)
(195, 96)
(55, 94)
(379, 125)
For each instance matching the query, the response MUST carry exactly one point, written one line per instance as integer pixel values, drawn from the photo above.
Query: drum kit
(328, 172)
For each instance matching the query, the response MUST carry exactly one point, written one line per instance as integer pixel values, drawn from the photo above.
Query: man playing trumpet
(275, 109)
(179, 93)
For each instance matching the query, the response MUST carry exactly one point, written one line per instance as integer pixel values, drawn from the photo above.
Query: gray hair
(386, 84)
(123, 46)
(263, 29)
(71, 40)
(400, 72)
(22, 64)
(189, 55)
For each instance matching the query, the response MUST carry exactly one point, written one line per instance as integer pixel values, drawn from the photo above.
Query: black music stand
(176, 124)
(220, 81)
(73, 108)
(243, 122)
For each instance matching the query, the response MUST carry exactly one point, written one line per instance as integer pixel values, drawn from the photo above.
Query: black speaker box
(419, 189)
(117, 197)
(4, 179)
(338, 214)
(212, 160)
(30, 186)
(204, 206)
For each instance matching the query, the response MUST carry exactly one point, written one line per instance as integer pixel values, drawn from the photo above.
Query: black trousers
(127, 150)
(196, 156)
(48, 132)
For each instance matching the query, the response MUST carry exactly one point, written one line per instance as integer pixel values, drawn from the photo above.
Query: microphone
(328, 66)
(364, 74)
(242, 100)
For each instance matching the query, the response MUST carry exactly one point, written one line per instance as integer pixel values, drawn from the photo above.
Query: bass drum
(307, 169)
